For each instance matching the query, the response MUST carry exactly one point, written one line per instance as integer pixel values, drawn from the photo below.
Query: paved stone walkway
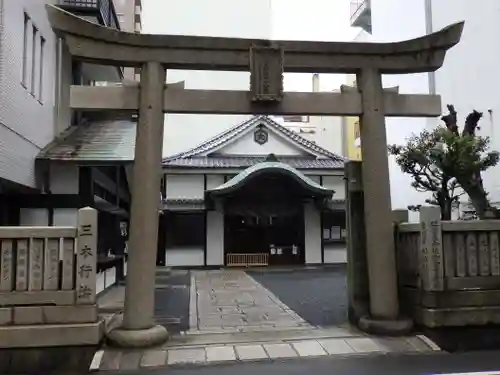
(232, 301)
(213, 354)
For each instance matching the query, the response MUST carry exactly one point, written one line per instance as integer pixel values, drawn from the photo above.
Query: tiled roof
(95, 141)
(195, 157)
(248, 161)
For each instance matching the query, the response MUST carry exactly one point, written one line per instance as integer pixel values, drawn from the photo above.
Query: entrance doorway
(264, 239)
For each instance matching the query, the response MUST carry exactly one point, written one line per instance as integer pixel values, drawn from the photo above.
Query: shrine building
(256, 194)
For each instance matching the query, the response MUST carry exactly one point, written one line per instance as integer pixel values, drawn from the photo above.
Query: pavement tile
(220, 353)
(308, 348)
(154, 358)
(395, 344)
(130, 360)
(364, 345)
(336, 346)
(280, 351)
(180, 356)
(111, 360)
(249, 352)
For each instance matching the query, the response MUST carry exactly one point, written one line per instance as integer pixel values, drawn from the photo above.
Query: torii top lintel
(94, 43)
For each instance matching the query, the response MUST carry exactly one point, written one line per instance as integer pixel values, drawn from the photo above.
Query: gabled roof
(110, 140)
(198, 157)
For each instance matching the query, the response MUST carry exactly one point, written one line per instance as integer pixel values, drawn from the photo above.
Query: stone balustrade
(48, 285)
(449, 271)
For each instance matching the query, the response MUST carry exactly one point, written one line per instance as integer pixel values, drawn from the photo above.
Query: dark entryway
(279, 235)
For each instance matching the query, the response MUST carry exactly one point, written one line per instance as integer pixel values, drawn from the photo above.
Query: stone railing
(449, 271)
(48, 285)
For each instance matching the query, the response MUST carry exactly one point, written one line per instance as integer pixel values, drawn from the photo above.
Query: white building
(468, 79)
(41, 183)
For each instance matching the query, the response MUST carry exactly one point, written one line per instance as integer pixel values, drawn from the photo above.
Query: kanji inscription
(266, 73)
(6, 261)
(86, 256)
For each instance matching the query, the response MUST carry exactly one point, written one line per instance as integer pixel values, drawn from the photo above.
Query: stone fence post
(430, 256)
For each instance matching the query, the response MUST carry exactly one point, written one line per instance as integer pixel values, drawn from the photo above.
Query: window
(185, 229)
(40, 66)
(32, 68)
(334, 226)
(33, 60)
(24, 77)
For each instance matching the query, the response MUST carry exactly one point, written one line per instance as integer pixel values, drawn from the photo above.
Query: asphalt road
(377, 365)
(319, 295)
(172, 302)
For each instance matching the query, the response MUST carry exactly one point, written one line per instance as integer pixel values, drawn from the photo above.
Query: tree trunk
(479, 199)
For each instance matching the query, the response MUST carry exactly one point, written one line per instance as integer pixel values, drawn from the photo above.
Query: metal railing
(105, 10)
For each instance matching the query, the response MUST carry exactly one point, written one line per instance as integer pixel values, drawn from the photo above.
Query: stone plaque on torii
(267, 61)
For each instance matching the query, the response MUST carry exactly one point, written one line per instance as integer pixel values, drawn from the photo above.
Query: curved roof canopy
(274, 167)
(95, 43)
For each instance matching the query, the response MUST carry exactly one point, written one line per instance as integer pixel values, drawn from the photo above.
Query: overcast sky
(322, 20)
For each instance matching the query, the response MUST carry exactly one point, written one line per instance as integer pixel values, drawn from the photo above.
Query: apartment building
(37, 188)
(129, 13)
(468, 79)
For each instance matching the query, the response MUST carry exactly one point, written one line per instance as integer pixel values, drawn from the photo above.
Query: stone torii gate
(267, 61)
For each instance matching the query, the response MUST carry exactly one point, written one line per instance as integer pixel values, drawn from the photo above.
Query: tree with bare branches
(447, 163)
(467, 155)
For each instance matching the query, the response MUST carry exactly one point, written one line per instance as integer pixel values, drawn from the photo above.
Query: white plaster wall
(34, 217)
(275, 144)
(66, 217)
(185, 256)
(224, 18)
(214, 180)
(185, 186)
(312, 230)
(64, 180)
(26, 124)
(336, 183)
(215, 238)
(335, 253)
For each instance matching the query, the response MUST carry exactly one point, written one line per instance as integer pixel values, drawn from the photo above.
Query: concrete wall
(26, 120)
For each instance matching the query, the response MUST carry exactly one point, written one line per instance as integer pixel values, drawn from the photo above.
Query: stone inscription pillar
(377, 198)
(139, 329)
